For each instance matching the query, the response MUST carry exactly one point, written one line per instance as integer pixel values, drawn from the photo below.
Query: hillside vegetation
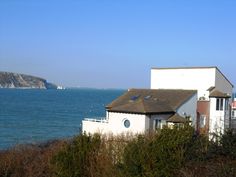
(177, 152)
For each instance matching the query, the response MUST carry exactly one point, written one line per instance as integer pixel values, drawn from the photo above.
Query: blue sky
(113, 44)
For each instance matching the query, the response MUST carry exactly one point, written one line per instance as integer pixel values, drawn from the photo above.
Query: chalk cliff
(14, 80)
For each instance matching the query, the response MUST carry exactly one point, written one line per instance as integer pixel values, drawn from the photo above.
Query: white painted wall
(190, 108)
(217, 118)
(139, 123)
(94, 127)
(190, 79)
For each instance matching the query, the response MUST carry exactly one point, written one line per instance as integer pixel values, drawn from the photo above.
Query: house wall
(139, 123)
(233, 114)
(222, 84)
(94, 127)
(199, 79)
(217, 118)
(203, 109)
(162, 117)
(189, 109)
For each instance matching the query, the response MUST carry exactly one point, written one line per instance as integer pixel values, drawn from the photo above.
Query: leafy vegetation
(166, 153)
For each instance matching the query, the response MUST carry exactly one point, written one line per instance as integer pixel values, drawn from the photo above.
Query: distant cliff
(14, 80)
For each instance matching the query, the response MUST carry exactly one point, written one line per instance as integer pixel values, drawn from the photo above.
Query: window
(219, 104)
(157, 124)
(127, 123)
(134, 98)
(234, 114)
(202, 121)
(226, 104)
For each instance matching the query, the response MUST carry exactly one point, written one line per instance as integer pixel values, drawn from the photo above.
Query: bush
(138, 158)
(168, 152)
(29, 160)
(76, 158)
(160, 155)
(228, 142)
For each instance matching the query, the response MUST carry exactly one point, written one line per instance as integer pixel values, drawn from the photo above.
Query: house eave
(143, 113)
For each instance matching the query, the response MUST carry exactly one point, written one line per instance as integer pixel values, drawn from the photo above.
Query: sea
(32, 116)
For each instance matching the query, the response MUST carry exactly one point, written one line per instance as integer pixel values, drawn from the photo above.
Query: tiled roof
(150, 101)
(218, 94)
(176, 118)
(211, 88)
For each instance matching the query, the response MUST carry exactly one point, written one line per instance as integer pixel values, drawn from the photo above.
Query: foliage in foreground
(169, 152)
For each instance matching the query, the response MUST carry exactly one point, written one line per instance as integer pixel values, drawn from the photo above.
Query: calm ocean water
(32, 116)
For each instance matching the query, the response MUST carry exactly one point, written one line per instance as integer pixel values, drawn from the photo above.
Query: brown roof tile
(150, 101)
(218, 94)
(176, 118)
(211, 88)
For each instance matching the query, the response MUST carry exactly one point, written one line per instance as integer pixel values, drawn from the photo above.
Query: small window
(147, 97)
(135, 97)
(202, 121)
(127, 123)
(219, 104)
(157, 124)
(226, 104)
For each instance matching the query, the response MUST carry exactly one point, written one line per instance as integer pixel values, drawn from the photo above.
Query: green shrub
(75, 159)
(138, 158)
(160, 155)
(228, 142)
(170, 148)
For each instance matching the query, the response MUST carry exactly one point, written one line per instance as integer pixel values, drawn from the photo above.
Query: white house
(214, 93)
(233, 119)
(233, 107)
(141, 110)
